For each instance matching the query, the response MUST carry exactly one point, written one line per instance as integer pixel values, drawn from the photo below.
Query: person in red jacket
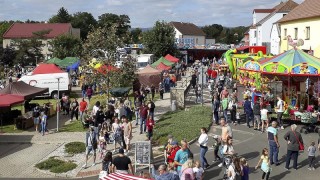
(172, 152)
(150, 125)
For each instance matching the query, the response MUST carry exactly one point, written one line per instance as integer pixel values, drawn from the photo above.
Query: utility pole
(58, 106)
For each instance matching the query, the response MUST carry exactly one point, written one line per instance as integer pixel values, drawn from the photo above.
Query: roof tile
(188, 28)
(26, 30)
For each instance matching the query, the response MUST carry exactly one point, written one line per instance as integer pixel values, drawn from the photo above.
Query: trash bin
(174, 105)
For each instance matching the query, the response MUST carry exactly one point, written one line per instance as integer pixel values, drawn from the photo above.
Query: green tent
(162, 60)
(68, 61)
(54, 61)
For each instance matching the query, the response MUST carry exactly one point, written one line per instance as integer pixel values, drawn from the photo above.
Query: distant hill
(142, 29)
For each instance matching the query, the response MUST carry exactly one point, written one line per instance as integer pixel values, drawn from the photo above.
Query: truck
(50, 81)
(144, 59)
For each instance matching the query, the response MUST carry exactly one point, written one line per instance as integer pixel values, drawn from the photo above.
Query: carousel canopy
(294, 62)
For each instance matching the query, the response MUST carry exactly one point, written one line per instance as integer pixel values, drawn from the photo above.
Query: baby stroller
(309, 120)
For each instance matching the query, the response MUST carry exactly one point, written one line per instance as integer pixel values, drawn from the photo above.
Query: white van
(144, 59)
(50, 81)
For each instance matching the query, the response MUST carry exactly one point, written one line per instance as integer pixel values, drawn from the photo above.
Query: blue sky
(143, 13)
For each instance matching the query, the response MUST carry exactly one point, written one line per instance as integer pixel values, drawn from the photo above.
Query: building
(27, 30)
(188, 34)
(302, 23)
(262, 29)
(246, 39)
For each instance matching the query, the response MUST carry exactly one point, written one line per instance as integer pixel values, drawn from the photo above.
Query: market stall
(149, 76)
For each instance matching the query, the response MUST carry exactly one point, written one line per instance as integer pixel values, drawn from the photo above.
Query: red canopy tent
(104, 69)
(7, 100)
(162, 66)
(171, 58)
(47, 69)
(121, 176)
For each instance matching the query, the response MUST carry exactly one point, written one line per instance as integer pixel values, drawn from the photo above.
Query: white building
(261, 30)
(275, 39)
(188, 34)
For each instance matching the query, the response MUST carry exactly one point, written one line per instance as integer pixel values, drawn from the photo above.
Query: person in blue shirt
(273, 143)
(181, 156)
(248, 110)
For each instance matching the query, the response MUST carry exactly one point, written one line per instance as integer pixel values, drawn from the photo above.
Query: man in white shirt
(280, 110)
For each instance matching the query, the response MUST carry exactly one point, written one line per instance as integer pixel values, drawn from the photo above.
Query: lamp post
(58, 78)
(202, 84)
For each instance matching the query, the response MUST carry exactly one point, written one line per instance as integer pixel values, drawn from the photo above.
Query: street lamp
(58, 78)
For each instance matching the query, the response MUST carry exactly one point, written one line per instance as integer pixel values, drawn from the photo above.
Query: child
(311, 155)
(102, 144)
(264, 117)
(172, 169)
(198, 171)
(238, 117)
(216, 146)
(265, 164)
(245, 169)
(150, 125)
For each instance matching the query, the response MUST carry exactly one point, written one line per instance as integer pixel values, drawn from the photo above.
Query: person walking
(83, 106)
(74, 107)
(264, 118)
(273, 143)
(280, 110)
(265, 164)
(91, 145)
(163, 173)
(117, 133)
(256, 115)
(89, 93)
(36, 117)
(233, 110)
(182, 156)
(144, 111)
(44, 123)
(137, 106)
(203, 142)
(248, 111)
(150, 126)
(127, 133)
(215, 109)
(294, 141)
(311, 155)
(122, 164)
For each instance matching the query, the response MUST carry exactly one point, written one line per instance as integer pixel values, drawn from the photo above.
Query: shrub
(56, 165)
(75, 147)
(65, 167)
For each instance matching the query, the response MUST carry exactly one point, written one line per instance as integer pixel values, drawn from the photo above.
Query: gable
(188, 29)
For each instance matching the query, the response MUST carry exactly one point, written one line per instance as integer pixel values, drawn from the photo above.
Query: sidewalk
(162, 106)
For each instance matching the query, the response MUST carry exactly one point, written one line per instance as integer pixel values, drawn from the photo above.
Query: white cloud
(143, 13)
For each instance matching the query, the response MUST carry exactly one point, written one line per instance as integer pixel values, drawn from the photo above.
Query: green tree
(66, 46)
(136, 35)
(213, 31)
(28, 50)
(4, 26)
(61, 17)
(160, 40)
(7, 55)
(85, 21)
(120, 22)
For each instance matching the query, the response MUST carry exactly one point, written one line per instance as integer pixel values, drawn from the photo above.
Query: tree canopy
(85, 21)
(66, 46)
(136, 35)
(160, 40)
(61, 17)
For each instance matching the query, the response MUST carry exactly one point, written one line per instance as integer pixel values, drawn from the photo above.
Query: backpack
(152, 105)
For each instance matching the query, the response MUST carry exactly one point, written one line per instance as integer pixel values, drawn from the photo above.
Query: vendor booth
(149, 76)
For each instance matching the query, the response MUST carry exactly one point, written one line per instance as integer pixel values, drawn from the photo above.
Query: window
(307, 33)
(255, 34)
(295, 33)
(285, 34)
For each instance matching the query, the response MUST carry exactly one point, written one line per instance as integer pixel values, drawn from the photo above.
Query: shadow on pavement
(10, 144)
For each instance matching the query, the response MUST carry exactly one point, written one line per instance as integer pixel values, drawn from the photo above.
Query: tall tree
(28, 50)
(85, 21)
(120, 22)
(160, 40)
(136, 35)
(4, 26)
(213, 31)
(7, 55)
(66, 46)
(61, 17)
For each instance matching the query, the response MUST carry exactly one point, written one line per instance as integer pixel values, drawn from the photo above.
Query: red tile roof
(282, 7)
(26, 30)
(263, 10)
(188, 28)
(307, 9)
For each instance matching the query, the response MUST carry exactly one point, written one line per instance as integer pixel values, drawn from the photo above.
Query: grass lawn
(39, 101)
(75, 126)
(9, 129)
(182, 124)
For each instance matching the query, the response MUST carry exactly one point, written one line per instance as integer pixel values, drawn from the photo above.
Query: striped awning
(121, 176)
